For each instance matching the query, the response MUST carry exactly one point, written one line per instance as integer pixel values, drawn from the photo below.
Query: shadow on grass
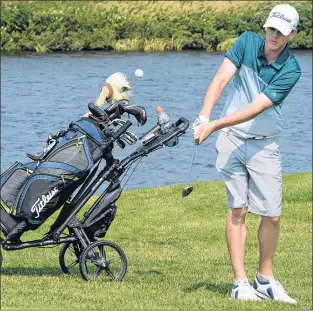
(223, 289)
(53, 271)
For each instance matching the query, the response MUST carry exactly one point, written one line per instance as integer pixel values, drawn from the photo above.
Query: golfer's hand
(204, 131)
(200, 120)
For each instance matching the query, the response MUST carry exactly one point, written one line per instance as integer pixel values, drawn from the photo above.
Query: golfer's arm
(261, 103)
(215, 89)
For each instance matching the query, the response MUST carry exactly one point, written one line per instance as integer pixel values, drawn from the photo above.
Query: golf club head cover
(138, 112)
(120, 87)
(116, 87)
(115, 107)
(98, 112)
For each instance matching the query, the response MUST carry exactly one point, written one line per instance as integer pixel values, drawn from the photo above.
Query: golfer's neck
(272, 55)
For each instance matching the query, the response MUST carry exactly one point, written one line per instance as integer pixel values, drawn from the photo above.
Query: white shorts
(252, 172)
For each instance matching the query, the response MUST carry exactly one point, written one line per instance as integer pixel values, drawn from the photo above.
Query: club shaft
(191, 163)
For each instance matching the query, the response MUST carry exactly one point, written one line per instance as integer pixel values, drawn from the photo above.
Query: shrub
(137, 25)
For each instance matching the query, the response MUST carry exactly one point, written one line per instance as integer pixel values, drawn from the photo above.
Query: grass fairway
(177, 255)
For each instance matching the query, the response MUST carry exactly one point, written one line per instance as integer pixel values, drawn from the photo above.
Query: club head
(187, 191)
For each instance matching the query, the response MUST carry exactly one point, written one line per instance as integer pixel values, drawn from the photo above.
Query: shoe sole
(266, 297)
(260, 295)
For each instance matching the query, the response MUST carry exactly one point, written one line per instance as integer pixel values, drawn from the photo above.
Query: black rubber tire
(66, 249)
(105, 269)
(1, 259)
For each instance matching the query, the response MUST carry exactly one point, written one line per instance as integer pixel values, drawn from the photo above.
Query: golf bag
(66, 175)
(33, 191)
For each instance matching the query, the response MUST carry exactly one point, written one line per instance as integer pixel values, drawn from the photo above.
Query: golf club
(188, 189)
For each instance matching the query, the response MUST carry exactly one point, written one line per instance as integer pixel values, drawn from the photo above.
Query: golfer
(248, 160)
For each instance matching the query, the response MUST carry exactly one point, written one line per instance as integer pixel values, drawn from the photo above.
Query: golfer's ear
(293, 34)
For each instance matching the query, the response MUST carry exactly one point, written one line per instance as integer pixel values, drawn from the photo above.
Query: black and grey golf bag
(34, 191)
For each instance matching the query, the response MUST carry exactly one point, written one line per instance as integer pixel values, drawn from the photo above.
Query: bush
(226, 45)
(143, 25)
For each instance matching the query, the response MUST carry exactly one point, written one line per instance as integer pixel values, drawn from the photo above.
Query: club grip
(122, 129)
(182, 123)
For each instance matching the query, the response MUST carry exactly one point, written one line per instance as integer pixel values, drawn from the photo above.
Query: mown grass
(177, 255)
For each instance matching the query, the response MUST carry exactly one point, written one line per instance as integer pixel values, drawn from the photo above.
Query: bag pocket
(45, 192)
(100, 216)
(75, 153)
(99, 228)
(12, 180)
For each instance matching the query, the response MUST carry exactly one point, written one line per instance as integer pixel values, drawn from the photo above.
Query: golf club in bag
(65, 176)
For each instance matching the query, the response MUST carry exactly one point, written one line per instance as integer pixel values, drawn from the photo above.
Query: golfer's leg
(265, 197)
(236, 233)
(229, 163)
(268, 237)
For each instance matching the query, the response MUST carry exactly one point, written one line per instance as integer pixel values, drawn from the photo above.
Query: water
(44, 93)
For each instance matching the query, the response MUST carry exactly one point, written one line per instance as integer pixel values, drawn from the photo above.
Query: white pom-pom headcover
(116, 87)
(119, 81)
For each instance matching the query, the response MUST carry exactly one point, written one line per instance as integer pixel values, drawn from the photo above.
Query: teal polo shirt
(255, 75)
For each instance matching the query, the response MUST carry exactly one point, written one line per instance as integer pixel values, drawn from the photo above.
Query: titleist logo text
(281, 16)
(43, 201)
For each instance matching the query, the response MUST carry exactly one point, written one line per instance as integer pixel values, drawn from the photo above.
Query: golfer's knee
(274, 221)
(237, 215)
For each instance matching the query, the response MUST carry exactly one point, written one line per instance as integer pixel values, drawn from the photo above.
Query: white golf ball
(139, 73)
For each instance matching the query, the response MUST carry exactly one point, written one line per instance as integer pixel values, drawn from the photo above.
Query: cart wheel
(69, 257)
(103, 260)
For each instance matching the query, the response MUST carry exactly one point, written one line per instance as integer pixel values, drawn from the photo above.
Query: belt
(229, 131)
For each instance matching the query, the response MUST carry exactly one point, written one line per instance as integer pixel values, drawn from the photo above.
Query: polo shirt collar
(282, 58)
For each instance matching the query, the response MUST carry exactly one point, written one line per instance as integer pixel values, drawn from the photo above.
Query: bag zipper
(6, 208)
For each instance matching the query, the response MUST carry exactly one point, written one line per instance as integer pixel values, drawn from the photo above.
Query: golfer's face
(275, 39)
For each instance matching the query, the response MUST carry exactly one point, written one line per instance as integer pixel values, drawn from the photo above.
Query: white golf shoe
(244, 291)
(272, 289)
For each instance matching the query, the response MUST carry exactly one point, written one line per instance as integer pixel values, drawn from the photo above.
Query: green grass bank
(44, 26)
(177, 256)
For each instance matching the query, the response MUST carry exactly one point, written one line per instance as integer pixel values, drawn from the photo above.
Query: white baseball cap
(283, 17)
